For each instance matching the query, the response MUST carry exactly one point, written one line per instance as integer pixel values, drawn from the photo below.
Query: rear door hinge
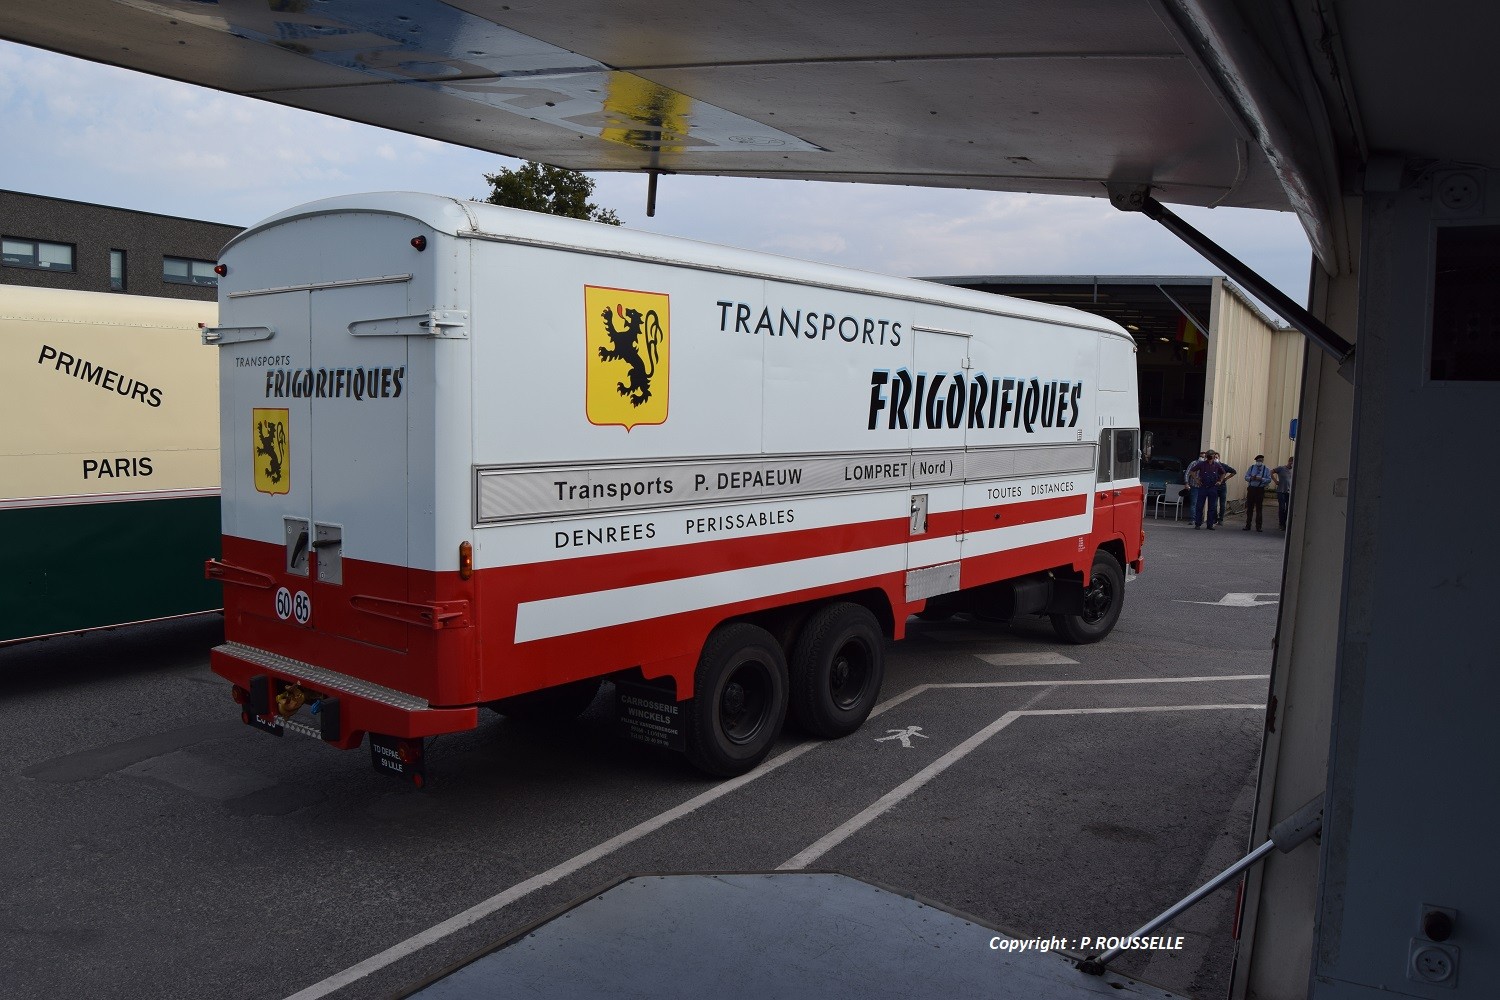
(448, 324)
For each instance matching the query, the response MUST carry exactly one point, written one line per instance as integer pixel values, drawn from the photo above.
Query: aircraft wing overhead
(1051, 96)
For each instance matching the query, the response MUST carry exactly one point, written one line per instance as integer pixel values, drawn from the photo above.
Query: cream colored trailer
(109, 472)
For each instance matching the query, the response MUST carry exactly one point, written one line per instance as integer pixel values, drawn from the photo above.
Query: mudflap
(647, 713)
(400, 758)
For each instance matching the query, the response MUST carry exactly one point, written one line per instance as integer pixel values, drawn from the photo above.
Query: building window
(117, 270)
(39, 254)
(182, 271)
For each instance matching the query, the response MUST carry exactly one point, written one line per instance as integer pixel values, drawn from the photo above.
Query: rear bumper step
(361, 706)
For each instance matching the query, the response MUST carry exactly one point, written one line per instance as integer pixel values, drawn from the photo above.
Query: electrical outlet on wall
(1432, 964)
(1458, 192)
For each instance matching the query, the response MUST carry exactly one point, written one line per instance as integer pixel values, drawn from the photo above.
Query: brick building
(56, 243)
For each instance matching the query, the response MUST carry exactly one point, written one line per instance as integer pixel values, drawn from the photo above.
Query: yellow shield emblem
(628, 356)
(273, 474)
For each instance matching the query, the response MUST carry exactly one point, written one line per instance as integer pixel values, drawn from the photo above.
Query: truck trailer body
(473, 456)
(109, 466)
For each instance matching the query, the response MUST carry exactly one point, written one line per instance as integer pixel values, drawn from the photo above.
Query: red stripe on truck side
(587, 574)
(481, 662)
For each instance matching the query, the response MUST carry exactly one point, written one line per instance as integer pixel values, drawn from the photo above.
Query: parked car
(1160, 472)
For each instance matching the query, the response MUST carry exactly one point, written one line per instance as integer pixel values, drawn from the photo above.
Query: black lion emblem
(640, 331)
(272, 438)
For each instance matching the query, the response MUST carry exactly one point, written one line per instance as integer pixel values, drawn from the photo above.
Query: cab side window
(1119, 454)
(1127, 454)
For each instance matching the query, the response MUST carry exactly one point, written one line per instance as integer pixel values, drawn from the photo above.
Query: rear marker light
(465, 560)
(239, 694)
(419, 242)
(221, 269)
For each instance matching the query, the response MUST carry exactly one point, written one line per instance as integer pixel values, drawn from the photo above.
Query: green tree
(537, 187)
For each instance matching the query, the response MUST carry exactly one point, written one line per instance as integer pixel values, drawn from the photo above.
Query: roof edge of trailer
(481, 220)
(34, 304)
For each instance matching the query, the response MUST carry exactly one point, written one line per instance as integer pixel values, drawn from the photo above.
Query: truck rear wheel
(836, 670)
(1103, 599)
(739, 700)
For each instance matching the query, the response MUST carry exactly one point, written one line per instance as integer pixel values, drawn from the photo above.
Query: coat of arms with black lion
(637, 345)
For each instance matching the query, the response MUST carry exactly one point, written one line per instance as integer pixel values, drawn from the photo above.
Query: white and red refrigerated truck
(477, 457)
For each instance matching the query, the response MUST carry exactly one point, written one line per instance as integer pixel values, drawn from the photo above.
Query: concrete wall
(1251, 386)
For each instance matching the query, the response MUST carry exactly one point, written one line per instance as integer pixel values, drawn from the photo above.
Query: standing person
(1210, 474)
(1283, 476)
(1257, 478)
(1194, 485)
(1222, 493)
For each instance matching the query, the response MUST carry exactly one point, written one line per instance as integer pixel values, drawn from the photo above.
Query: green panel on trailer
(83, 566)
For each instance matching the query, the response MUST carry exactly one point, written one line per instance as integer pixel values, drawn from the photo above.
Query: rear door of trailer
(315, 417)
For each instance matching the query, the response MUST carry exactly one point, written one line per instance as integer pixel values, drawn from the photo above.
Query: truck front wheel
(1102, 600)
(836, 671)
(739, 700)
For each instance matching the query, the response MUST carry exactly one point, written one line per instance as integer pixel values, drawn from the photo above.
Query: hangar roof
(1210, 102)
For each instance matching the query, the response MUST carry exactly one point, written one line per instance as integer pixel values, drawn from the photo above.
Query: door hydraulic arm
(1302, 825)
(1137, 198)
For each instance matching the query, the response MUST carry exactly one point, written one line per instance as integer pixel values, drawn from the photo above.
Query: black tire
(1103, 599)
(837, 668)
(739, 700)
(563, 703)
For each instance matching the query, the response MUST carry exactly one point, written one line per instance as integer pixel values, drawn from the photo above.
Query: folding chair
(1170, 497)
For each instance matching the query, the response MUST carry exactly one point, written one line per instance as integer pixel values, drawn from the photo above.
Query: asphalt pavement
(159, 848)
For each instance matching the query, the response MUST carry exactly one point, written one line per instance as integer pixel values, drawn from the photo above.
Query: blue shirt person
(1257, 478)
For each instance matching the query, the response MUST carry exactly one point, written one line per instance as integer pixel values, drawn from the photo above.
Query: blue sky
(101, 134)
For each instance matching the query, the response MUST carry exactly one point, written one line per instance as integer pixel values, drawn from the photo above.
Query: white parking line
(1026, 659)
(921, 688)
(503, 899)
(520, 890)
(882, 805)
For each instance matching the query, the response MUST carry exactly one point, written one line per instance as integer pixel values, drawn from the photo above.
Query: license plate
(267, 724)
(401, 758)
